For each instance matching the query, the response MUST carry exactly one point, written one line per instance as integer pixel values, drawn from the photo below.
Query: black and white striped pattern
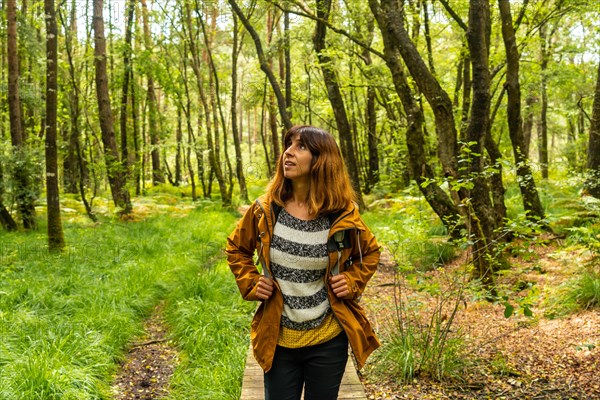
(299, 261)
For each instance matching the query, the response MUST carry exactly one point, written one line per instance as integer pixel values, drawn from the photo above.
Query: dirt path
(149, 365)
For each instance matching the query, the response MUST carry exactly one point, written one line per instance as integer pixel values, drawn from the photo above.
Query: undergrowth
(66, 319)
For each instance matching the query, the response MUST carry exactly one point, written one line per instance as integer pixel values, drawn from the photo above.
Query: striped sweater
(299, 261)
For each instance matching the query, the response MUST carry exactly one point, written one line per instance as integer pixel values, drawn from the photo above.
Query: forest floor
(508, 358)
(511, 358)
(146, 372)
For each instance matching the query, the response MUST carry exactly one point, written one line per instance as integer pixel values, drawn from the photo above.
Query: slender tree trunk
(75, 165)
(272, 104)
(262, 128)
(592, 183)
(288, 62)
(495, 177)
(466, 99)
(531, 200)
(543, 127)
(179, 151)
(213, 109)
(239, 164)
(157, 173)
(335, 97)
(115, 171)
(126, 85)
(428, 37)
(56, 239)
(187, 108)
(23, 185)
(372, 173)
(528, 123)
(137, 158)
(264, 65)
(70, 167)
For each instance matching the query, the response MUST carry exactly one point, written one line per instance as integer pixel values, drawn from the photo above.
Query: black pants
(318, 368)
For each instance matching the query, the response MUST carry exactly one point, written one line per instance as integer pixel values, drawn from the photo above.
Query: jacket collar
(350, 213)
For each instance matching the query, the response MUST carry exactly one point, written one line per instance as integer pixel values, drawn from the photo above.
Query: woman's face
(297, 159)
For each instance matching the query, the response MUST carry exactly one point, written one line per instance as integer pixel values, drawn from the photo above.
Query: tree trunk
(592, 183)
(264, 66)
(213, 109)
(56, 239)
(335, 97)
(115, 171)
(480, 212)
(70, 163)
(137, 159)
(23, 185)
(420, 169)
(466, 98)
(372, 176)
(179, 151)
(125, 86)
(239, 163)
(274, 129)
(74, 165)
(528, 123)
(440, 102)
(288, 62)
(153, 132)
(531, 201)
(205, 178)
(6, 220)
(187, 108)
(543, 127)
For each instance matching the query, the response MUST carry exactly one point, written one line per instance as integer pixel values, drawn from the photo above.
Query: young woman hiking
(317, 256)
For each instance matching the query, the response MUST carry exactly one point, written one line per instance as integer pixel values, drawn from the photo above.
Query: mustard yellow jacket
(354, 254)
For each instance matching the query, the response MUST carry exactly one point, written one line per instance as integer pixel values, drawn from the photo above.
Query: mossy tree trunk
(23, 184)
(56, 239)
(115, 171)
(593, 156)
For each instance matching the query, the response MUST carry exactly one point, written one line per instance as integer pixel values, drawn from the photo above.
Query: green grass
(210, 322)
(66, 319)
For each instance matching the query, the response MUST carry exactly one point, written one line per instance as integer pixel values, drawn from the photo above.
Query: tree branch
(306, 13)
(454, 15)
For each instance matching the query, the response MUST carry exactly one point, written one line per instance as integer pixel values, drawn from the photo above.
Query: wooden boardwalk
(253, 384)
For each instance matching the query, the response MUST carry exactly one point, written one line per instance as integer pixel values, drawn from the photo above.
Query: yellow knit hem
(293, 339)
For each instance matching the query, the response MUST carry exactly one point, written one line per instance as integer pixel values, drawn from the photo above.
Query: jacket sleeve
(241, 244)
(364, 261)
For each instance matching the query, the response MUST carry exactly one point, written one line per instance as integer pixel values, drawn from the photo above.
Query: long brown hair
(330, 187)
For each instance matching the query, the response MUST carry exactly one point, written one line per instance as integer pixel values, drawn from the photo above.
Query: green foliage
(424, 341)
(212, 331)
(577, 294)
(26, 163)
(581, 292)
(414, 235)
(65, 319)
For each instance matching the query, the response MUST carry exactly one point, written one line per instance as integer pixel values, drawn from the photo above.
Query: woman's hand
(264, 288)
(339, 285)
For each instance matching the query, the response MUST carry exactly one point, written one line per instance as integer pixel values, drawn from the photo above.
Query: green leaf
(508, 310)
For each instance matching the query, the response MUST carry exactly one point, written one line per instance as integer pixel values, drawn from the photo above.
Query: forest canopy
(457, 99)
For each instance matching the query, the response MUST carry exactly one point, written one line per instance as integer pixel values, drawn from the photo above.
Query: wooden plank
(253, 383)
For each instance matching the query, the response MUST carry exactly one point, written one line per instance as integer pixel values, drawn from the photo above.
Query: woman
(317, 256)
